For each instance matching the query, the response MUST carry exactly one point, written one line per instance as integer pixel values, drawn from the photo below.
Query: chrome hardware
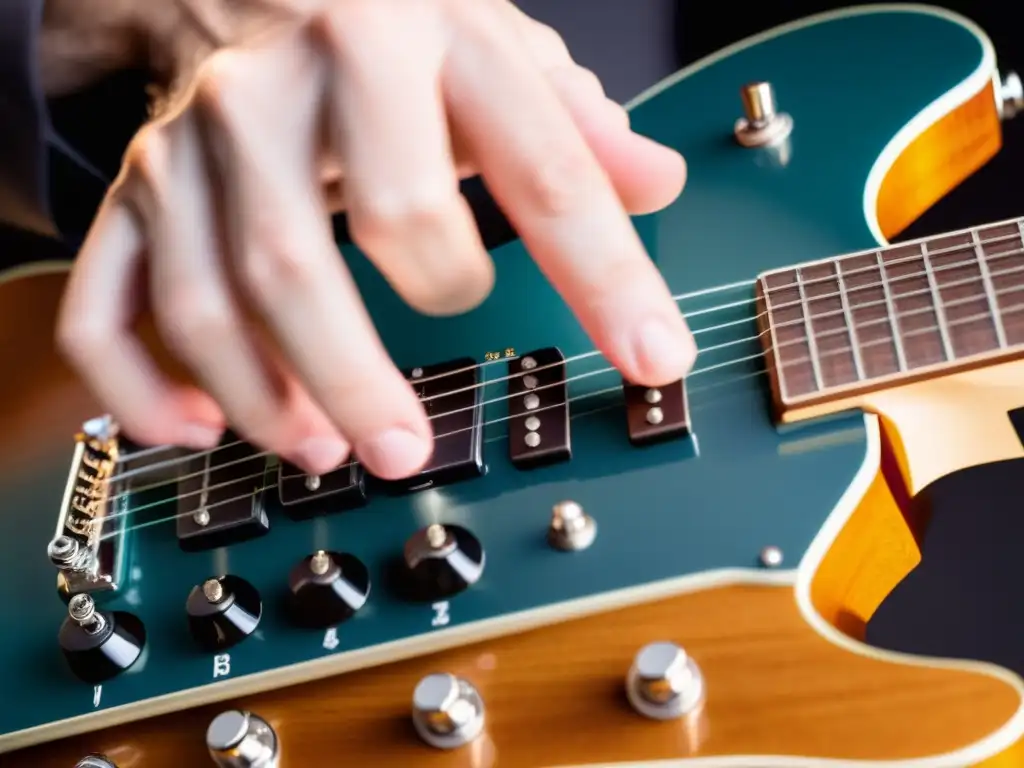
(242, 740)
(762, 125)
(1011, 96)
(664, 682)
(771, 557)
(95, 761)
(571, 528)
(82, 609)
(447, 711)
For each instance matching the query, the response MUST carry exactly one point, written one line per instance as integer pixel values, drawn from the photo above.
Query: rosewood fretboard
(838, 327)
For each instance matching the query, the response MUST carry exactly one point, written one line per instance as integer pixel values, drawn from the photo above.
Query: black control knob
(326, 589)
(222, 612)
(99, 645)
(442, 560)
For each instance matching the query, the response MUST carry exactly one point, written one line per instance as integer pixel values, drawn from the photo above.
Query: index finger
(546, 178)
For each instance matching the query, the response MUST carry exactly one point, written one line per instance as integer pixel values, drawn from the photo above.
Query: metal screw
(530, 382)
(655, 416)
(528, 363)
(771, 557)
(213, 590)
(82, 609)
(417, 373)
(201, 516)
(653, 396)
(532, 439)
(571, 528)
(531, 401)
(312, 482)
(532, 423)
(320, 563)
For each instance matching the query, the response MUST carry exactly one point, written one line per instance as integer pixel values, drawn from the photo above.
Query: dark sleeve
(23, 119)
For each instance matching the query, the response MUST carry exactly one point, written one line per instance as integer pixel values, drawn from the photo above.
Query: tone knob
(222, 612)
(447, 711)
(242, 740)
(327, 588)
(99, 645)
(664, 682)
(95, 761)
(443, 560)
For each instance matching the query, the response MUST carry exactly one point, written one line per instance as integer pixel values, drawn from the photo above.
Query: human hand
(221, 206)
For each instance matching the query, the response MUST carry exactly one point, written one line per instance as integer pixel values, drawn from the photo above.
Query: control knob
(443, 560)
(327, 588)
(222, 612)
(447, 711)
(95, 761)
(664, 682)
(239, 739)
(99, 645)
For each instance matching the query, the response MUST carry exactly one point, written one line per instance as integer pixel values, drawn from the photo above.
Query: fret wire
(851, 330)
(940, 315)
(766, 292)
(897, 335)
(811, 345)
(990, 289)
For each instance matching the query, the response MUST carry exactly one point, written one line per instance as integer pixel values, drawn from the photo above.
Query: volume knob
(447, 711)
(242, 740)
(95, 761)
(327, 588)
(223, 612)
(664, 682)
(99, 645)
(443, 560)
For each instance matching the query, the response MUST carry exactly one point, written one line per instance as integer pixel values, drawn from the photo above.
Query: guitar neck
(836, 329)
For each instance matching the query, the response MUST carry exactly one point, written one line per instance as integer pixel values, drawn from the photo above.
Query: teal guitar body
(696, 510)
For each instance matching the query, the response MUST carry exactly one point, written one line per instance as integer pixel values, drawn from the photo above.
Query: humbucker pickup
(454, 401)
(538, 409)
(304, 496)
(222, 495)
(656, 414)
(88, 543)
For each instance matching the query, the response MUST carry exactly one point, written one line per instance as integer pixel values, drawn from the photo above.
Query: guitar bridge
(88, 545)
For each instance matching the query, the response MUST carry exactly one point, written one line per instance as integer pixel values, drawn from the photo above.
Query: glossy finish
(555, 697)
(692, 507)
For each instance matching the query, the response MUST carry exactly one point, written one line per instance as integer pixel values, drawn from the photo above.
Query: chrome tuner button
(571, 528)
(95, 761)
(242, 740)
(447, 711)
(762, 124)
(664, 682)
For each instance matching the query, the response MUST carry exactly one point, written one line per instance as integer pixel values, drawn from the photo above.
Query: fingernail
(664, 353)
(321, 454)
(395, 454)
(200, 436)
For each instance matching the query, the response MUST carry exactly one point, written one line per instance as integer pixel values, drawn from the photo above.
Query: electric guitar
(588, 572)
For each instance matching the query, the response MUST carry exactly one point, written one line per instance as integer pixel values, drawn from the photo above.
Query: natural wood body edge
(555, 698)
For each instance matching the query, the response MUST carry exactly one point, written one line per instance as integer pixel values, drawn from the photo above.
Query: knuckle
(218, 79)
(560, 184)
(382, 215)
(276, 268)
(188, 316)
(547, 43)
(352, 28)
(147, 157)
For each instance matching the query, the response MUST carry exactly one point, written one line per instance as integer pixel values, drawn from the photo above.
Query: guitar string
(846, 311)
(885, 320)
(251, 457)
(923, 256)
(271, 486)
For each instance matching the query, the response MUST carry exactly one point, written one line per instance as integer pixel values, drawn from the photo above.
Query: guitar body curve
(685, 521)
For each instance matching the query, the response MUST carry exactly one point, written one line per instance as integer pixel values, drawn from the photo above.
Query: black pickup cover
(457, 421)
(1017, 420)
(229, 483)
(656, 414)
(538, 409)
(303, 497)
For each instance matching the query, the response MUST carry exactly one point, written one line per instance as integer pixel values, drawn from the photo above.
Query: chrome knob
(664, 682)
(571, 528)
(94, 761)
(242, 740)
(762, 124)
(1011, 96)
(447, 711)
